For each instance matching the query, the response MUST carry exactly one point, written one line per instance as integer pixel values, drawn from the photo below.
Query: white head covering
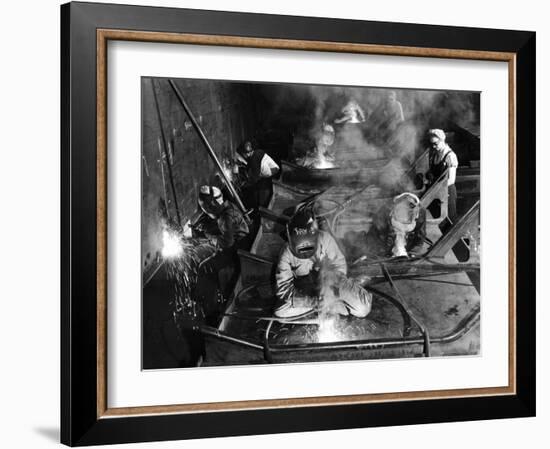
(439, 133)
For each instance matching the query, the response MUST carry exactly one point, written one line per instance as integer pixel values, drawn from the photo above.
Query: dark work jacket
(438, 169)
(255, 166)
(258, 188)
(232, 226)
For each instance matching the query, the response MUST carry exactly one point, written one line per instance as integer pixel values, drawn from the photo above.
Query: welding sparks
(230, 169)
(323, 163)
(328, 330)
(172, 247)
(228, 173)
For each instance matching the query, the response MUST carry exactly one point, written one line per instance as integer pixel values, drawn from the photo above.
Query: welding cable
(347, 201)
(336, 216)
(407, 323)
(466, 266)
(423, 329)
(271, 318)
(358, 260)
(465, 325)
(267, 353)
(377, 260)
(439, 281)
(410, 276)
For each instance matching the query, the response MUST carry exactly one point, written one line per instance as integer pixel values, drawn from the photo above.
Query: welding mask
(406, 208)
(327, 135)
(211, 201)
(405, 212)
(303, 234)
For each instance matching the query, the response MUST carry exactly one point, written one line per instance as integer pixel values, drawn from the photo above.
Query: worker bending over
(321, 154)
(351, 113)
(227, 229)
(230, 224)
(399, 229)
(312, 272)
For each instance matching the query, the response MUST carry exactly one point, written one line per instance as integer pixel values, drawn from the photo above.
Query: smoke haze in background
(280, 111)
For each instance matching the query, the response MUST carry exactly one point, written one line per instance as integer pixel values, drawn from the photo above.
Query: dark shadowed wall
(170, 183)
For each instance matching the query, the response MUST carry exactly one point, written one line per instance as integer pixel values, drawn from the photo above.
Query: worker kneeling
(312, 273)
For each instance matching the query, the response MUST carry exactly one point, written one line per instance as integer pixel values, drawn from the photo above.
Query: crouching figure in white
(312, 274)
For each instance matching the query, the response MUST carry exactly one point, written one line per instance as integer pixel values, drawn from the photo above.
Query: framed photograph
(282, 224)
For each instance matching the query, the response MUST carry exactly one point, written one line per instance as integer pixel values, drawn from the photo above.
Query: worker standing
(257, 170)
(392, 111)
(385, 123)
(441, 159)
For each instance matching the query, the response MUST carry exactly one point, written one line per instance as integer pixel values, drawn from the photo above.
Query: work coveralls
(297, 280)
(382, 234)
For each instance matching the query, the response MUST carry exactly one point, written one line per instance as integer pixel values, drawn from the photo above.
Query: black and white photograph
(275, 224)
(292, 223)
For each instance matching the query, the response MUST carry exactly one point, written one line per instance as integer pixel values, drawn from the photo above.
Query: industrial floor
(444, 303)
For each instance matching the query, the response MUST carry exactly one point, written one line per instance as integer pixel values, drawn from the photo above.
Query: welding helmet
(406, 208)
(211, 201)
(303, 233)
(327, 135)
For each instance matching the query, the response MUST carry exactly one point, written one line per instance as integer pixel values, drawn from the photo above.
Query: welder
(231, 225)
(257, 170)
(385, 123)
(227, 228)
(392, 111)
(321, 155)
(312, 273)
(398, 229)
(351, 113)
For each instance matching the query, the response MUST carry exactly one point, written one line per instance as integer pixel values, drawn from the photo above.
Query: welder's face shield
(303, 240)
(404, 215)
(211, 202)
(406, 212)
(327, 138)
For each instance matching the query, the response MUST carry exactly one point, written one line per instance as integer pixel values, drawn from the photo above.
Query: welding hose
(267, 352)
(423, 328)
(342, 206)
(386, 343)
